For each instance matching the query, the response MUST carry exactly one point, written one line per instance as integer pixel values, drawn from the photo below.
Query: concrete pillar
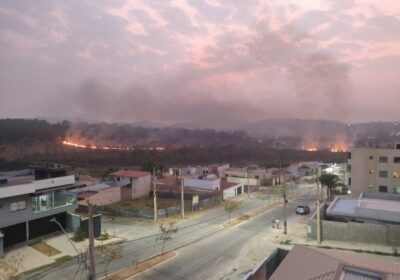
(1, 245)
(27, 230)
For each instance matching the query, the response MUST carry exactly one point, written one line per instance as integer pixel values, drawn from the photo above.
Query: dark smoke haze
(211, 62)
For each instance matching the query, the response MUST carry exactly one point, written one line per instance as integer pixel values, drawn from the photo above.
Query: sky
(200, 60)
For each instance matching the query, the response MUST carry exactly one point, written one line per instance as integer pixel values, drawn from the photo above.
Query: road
(203, 243)
(227, 254)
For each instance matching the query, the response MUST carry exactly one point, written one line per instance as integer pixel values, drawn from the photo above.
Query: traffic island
(134, 269)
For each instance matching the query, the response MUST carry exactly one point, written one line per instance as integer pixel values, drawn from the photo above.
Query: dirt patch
(135, 269)
(148, 203)
(45, 249)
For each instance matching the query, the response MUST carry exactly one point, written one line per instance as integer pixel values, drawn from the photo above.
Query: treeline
(128, 135)
(236, 156)
(19, 130)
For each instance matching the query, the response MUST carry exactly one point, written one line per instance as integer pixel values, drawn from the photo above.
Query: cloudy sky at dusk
(182, 60)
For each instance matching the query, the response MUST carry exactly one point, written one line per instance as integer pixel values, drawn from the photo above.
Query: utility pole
(248, 181)
(92, 269)
(155, 195)
(182, 196)
(318, 223)
(284, 195)
(284, 209)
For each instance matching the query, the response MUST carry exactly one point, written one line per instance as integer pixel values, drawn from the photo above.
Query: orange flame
(72, 143)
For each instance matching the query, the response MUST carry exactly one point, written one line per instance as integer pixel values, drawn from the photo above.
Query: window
(383, 188)
(349, 168)
(349, 181)
(371, 172)
(371, 157)
(397, 189)
(118, 179)
(396, 159)
(349, 155)
(383, 173)
(18, 205)
(383, 159)
(47, 201)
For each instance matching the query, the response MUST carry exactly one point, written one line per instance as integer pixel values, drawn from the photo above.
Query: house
(368, 218)
(135, 184)
(305, 263)
(98, 194)
(247, 176)
(210, 182)
(374, 169)
(230, 190)
(27, 205)
(279, 175)
(216, 169)
(304, 169)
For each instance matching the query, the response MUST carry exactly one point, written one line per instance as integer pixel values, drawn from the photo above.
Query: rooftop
(130, 173)
(383, 207)
(327, 264)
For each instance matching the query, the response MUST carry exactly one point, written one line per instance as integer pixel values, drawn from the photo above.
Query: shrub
(79, 235)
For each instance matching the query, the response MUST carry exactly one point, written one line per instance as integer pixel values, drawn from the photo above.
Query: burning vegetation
(78, 144)
(339, 147)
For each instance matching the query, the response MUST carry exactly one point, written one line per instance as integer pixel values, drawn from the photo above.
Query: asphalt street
(227, 254)
(207, 250)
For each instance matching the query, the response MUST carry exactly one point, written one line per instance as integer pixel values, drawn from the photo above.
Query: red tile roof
(226, 185)
(304, 263)
(130, 173)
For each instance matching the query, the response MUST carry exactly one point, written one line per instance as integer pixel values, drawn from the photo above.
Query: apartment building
(27, 203)
(374, 169)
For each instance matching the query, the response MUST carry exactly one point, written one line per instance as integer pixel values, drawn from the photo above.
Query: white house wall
(244, 181)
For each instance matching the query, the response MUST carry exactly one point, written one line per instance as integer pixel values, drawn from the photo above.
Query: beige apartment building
(374, 170)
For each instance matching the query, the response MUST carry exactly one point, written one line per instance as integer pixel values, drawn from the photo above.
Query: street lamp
(53, 220)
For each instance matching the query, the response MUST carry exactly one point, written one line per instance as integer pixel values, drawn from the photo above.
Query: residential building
(216, 169)
(369, 218)
(27, 205)
(306, 263)
(247, 176)
(374, 170)
(99, 194)
(304, 169)
(211, 182)
(135, 184)
(230, 190)
(367, 207)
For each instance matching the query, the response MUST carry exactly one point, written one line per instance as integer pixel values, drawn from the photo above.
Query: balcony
(52, 200)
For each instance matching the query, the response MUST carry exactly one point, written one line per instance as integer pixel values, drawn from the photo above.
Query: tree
(230, 206)
(331, 181)
(167, 230)
(150, 165)
(109, 254)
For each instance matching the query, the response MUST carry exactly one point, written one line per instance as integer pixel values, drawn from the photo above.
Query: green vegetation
(79, 235)
(104, 236)
(230, 206)
(64, 259)
(331, 181)
(13, 130)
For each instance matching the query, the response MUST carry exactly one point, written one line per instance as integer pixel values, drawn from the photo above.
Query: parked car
(302, 210)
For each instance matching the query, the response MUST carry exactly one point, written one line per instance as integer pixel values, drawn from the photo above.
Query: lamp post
(53, 220)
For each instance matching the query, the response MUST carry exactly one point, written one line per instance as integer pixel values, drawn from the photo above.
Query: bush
(104, 235)
(79, 235)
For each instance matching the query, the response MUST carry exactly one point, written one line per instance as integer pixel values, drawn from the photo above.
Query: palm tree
(331, 181)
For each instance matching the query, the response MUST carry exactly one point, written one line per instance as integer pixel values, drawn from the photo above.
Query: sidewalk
(297, 234)
(31, 258)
